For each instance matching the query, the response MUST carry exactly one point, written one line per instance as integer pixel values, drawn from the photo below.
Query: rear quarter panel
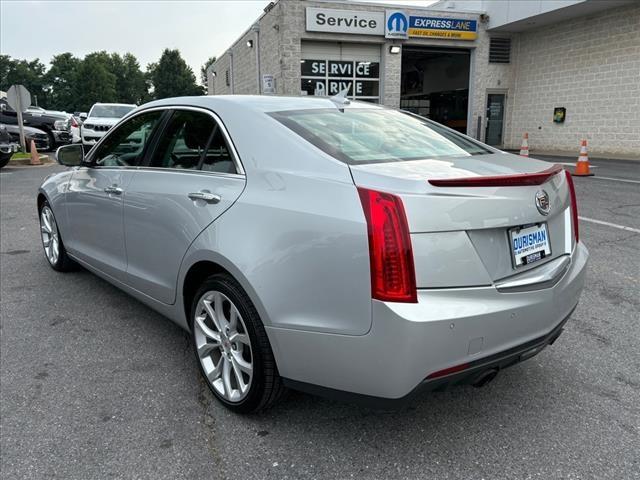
(296, 236)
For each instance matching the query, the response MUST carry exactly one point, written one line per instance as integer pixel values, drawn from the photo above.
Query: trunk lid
(460, 234)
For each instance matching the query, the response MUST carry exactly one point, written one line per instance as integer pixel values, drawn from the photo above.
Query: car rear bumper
(480, 327)
(477, 372)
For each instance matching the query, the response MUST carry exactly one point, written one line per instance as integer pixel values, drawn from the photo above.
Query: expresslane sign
(400, 25)
(449, 28)
(344, 21)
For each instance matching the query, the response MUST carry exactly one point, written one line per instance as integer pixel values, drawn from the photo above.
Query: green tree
(172, 77)
(203, 70)
(61, 79)
(24, 72)
(94, 81)
(131, 84)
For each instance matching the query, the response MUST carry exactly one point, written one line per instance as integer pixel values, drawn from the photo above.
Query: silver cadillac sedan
(335, 247)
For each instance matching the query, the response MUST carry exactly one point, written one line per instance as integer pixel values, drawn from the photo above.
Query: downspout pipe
(256, 28)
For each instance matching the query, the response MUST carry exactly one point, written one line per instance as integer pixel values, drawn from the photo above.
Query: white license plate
(529, 244)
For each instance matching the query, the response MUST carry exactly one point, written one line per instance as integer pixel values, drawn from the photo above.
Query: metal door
(495, 118)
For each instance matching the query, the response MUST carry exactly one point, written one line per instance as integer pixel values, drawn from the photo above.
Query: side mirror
(83, 116)
(70, 155)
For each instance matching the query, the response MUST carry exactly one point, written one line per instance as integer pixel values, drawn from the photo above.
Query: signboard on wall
(268, 85)
(344, 21)
(400, 25)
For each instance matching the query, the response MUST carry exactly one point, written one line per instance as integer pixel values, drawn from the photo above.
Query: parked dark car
(7, 146)
(40, 137)
(57, 127)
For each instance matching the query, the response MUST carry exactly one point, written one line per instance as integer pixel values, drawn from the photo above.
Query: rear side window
(125, 145)
(358, 136)
(193, 141)
(184, 140)
(218, 158)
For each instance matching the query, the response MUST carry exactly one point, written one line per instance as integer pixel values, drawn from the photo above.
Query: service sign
(447, 28)
(345, 21)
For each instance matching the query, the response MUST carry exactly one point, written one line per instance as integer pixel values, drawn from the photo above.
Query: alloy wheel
(223, 346)
(50, 237)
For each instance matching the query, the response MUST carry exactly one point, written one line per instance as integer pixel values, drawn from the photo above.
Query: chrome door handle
(206, 196)
(114, 189)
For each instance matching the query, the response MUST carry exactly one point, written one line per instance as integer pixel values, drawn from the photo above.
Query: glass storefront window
(329, 77)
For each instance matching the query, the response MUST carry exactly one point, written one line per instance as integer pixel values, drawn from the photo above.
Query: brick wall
(590, 66)
(243, 76)
(294, 20)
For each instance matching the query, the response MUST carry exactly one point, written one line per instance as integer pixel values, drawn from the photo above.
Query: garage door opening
(435, 84)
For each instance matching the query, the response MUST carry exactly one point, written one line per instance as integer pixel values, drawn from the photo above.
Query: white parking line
(616, 179)
(608, 224)
(571, 164)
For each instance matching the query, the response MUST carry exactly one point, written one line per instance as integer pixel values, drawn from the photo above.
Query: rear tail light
(393, 277)
(73, 122)
(574, 206)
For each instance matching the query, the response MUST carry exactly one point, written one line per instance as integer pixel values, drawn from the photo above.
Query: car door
(192, 176)
(95, 194)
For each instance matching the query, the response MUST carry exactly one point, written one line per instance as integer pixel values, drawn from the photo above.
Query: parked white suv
(101, 118)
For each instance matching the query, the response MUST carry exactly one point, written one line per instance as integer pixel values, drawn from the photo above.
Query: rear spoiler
(516, 180)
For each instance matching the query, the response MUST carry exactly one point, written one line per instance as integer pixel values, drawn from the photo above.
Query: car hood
(14, 129)
(110, 121)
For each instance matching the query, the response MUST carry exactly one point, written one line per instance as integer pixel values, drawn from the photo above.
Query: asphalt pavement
(95, 385)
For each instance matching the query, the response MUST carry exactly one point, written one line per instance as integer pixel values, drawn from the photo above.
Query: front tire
(232, 348)
(4, 159)
(52, 244)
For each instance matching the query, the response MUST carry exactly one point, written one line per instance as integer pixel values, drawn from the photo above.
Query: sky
(199, 29)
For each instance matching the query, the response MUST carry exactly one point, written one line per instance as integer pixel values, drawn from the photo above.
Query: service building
(559, 70)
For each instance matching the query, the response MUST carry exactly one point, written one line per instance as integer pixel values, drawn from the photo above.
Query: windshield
(110, 111)
(357, 136)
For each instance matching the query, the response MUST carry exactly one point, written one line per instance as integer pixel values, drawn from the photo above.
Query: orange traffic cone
(35, 158)
(524, 148)
(582, 167)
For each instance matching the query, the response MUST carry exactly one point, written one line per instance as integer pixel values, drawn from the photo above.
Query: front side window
(125, 146)
(357, 136)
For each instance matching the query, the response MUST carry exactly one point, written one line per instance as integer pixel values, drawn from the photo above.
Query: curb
(27, 161)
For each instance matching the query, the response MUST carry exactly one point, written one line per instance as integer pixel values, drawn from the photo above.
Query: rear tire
(231, 346)
(4, 159)
(52, 244)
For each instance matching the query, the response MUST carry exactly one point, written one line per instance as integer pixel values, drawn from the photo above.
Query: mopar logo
(397, 24)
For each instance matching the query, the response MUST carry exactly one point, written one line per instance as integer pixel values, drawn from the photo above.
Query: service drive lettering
(354, 21)
(318, 67)
(336, 86)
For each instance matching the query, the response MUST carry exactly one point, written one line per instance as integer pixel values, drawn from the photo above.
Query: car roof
(115, 104)
(258, 103)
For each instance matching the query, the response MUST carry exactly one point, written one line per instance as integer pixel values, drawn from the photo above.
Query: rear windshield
(357, 136)
(110, 111)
